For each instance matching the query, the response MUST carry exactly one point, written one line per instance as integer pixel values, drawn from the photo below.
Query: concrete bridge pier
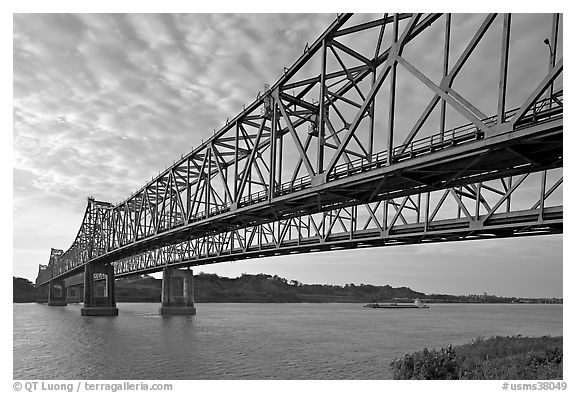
(99, 294)
(74, 294)
(42, 293)
(177, 292)
(56, 293)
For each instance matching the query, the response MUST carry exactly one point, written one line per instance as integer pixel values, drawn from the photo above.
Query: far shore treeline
(263, 288)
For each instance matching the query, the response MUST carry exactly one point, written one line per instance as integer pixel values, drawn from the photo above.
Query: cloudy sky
(104, 102)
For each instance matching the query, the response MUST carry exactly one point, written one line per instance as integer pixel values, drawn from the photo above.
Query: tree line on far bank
(264, 288)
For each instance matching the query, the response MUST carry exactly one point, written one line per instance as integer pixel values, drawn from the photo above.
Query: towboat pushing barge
(417, 304)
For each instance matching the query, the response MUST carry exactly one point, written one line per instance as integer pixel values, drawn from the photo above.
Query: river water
(253, 341)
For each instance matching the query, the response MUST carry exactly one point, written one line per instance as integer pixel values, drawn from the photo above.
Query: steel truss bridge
(337, 155)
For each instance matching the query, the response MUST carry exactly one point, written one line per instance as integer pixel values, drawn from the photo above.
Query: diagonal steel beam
(462, 109)
(548, 80)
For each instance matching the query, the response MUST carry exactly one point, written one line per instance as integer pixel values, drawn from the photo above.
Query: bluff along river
(253, 341)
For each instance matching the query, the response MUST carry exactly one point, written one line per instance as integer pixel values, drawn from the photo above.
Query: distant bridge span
(327, 159)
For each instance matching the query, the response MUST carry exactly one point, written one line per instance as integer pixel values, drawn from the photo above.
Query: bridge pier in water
(57, 293)
(99, 294)
(74, 294)
(177, 292)
(42, 293)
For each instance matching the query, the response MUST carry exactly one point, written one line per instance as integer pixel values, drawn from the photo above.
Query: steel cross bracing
(325, 139)
(522, 205)
(496, 209)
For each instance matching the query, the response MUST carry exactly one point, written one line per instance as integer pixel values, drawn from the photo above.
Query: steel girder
(522, 205)
(309, 143)
(516, 206)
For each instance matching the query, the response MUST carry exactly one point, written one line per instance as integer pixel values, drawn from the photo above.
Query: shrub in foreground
(494, 358)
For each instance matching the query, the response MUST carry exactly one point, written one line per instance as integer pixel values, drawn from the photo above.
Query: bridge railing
(545, 109)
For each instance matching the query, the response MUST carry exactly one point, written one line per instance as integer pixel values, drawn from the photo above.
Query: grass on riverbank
(498, 357)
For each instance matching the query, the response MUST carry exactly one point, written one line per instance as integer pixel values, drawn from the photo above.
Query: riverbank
(508, 358)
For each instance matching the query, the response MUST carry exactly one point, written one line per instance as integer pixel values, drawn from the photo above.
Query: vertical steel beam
(353, 221)
(90, 219)
(427, 212)
(260, 230)
(390, 137)
(155, 214)
(419, 208)
(372, 114)
(321, 115)
(208, 181)
(273, 142)
(170, 186)
(373, 106)
(385, 216)
(542, 196)
(504, 69)
(478, 196)
(236, 159)
(445, 73)
(553, 49)
(509, 200)
(279, 155)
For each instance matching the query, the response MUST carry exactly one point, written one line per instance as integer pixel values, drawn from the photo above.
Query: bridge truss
(337, 154)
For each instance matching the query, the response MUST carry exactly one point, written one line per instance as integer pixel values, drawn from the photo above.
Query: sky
(104, 102)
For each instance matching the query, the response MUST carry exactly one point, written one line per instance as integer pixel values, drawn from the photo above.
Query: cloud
(103, 102)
